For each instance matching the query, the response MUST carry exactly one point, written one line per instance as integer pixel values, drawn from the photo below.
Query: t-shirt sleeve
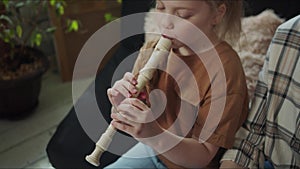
(219, 128)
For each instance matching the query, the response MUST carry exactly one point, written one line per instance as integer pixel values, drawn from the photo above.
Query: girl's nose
(167, 22)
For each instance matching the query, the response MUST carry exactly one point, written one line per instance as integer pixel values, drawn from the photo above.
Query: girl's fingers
(123, 127)
(136, 103)
(130, 78)
(125, 88)
(113, 109)
(135, 111)
(121, 88)
(120, 118)
(112, 93)
(132, 82)
(129, 87)
(131, 112)
(119, 125)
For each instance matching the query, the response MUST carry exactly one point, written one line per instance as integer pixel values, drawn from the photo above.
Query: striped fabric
(272, 130)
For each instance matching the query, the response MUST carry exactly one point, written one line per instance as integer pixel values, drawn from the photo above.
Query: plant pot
(19, 97)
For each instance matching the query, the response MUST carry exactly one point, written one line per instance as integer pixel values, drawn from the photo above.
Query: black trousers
(70, 144)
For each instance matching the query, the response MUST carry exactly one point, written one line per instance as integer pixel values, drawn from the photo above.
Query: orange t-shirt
(196, 89)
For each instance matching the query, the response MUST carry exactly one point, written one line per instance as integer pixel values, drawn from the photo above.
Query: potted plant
(21, 64)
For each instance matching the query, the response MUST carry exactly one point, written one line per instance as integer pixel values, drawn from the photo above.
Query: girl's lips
(165, 36)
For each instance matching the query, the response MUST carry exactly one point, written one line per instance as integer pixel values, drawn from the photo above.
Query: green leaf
(19, 31)
(37, 39)
(109, 17)
(28, 2)
(6, 39)
(60, 9)
(8, 35)
(6, 3)
(119, 1)
(20, 4)
(51, 29)
(73, 25)
(6, 18)
(52, 2)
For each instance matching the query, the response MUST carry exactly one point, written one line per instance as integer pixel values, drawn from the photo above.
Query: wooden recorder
(145, 75)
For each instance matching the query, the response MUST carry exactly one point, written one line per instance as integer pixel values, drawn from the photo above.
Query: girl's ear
(220, 12)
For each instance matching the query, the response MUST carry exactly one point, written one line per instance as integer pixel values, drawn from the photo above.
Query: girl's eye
(184, 15)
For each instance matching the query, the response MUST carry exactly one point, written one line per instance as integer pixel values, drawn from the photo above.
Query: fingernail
(134, 91)
(113, 115)
(134, 81)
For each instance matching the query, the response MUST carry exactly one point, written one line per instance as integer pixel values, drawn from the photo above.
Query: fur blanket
(257, 33)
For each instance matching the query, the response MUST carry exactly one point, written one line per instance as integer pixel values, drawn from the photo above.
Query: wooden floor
(23, 142)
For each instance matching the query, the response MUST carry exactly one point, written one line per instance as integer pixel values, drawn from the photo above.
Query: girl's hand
(136, 119)
(122, 89)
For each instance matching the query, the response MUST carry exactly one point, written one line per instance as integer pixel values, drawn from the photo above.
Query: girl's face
(197, 12)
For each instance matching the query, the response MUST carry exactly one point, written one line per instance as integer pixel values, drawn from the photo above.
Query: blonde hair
(230, 27)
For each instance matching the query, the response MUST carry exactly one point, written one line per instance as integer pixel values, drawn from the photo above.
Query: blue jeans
(268, 165)
(139, 156)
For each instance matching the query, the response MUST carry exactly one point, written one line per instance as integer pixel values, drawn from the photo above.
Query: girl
(217, 19)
